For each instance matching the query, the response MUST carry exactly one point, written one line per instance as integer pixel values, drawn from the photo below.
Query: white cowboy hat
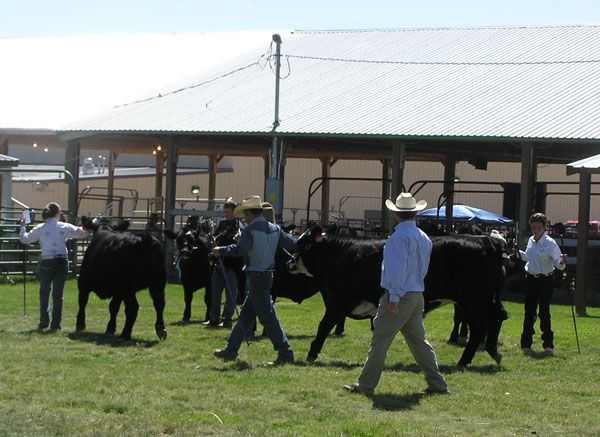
(251, 202)
(405, 202)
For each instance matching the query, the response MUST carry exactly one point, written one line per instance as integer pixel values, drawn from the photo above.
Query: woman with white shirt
(51, 236)
(543, 256)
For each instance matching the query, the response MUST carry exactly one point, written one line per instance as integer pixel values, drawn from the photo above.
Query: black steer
(194, 266)
(296, 286)
(116, 265)
(464, 269)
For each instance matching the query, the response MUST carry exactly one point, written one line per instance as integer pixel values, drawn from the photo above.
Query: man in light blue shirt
(405, 262)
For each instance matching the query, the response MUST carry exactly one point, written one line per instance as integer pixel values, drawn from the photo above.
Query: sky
(64, 60)
(26, 18)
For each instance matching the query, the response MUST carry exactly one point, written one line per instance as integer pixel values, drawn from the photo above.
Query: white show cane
(231, 294)
(562, 243)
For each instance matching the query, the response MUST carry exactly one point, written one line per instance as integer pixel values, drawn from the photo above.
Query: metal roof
(501, 82)
(8, 161)
(590, 164)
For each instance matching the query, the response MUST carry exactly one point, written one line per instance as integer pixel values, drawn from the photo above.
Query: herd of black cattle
(467, 270)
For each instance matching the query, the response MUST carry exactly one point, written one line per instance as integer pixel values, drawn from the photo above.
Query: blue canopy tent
(466, 213)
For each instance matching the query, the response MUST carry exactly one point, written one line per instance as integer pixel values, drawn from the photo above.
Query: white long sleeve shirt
(406, 257)
(542, 256)
(51, 236)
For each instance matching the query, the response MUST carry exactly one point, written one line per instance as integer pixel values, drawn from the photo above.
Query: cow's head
(306, 261)
(103, 224)
(313, 235)
(188, 242)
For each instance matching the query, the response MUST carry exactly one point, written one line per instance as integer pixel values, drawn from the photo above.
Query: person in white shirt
(406, 257)
(51, 236)
(542, 256)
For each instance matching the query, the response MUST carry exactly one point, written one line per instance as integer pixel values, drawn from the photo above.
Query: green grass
(89, 384)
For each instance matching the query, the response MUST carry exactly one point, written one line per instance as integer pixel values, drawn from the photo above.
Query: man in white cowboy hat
(405, 262)
(257, 244)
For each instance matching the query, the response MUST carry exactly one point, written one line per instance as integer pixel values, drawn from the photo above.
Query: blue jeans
(216, 288)
(52, 274)
(258, 303)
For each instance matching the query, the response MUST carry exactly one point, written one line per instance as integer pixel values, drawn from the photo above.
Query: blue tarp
(466, 213)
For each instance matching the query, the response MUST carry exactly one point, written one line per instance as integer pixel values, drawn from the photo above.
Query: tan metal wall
(248, 178)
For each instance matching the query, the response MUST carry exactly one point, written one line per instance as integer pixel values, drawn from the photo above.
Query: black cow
(194, 266)
(297, 287)
(116, 265)
(463, 269)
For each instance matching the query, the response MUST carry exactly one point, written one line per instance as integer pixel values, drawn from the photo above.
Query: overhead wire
(385, 61)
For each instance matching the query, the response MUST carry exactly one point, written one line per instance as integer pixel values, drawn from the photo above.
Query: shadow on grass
(109, 340)
(234, 366)
(395, 402)
(338, 364)
(587, 316)
(40, 332)
(414, 368)
(541, 355)
(186, 323)
(300, 336)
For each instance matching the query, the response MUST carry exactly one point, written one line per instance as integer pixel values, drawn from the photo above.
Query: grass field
(90, 384)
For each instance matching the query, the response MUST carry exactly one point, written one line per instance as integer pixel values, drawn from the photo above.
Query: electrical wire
(375, 61)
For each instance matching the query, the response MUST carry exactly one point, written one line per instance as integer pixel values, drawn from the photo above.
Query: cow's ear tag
(319, 239)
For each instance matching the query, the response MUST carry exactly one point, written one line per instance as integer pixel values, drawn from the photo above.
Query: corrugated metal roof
(8, 161)
(513, 82)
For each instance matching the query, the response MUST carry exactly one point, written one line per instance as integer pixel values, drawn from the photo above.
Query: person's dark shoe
(40, 328)
(226, 325)
(430, 392)
(224, 354)
(281, 360)
(210, 324)
(357, 389)
(549, 351)
(527, 351)
(55, 329)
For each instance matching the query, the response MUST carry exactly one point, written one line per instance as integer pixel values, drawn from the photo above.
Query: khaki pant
(409, 321)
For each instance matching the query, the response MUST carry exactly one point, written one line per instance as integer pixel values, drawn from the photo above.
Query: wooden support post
(398, 160)
(170, 195)
(158, 187)
(528, 176)
(583, 217)
(72, 159)
(171, 188)
(325, 189)
(385, 194)
(212, 180)
(112, 159)
(449, 178)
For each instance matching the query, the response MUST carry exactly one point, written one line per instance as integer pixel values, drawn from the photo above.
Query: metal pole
(274, 185)
(277, 40)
